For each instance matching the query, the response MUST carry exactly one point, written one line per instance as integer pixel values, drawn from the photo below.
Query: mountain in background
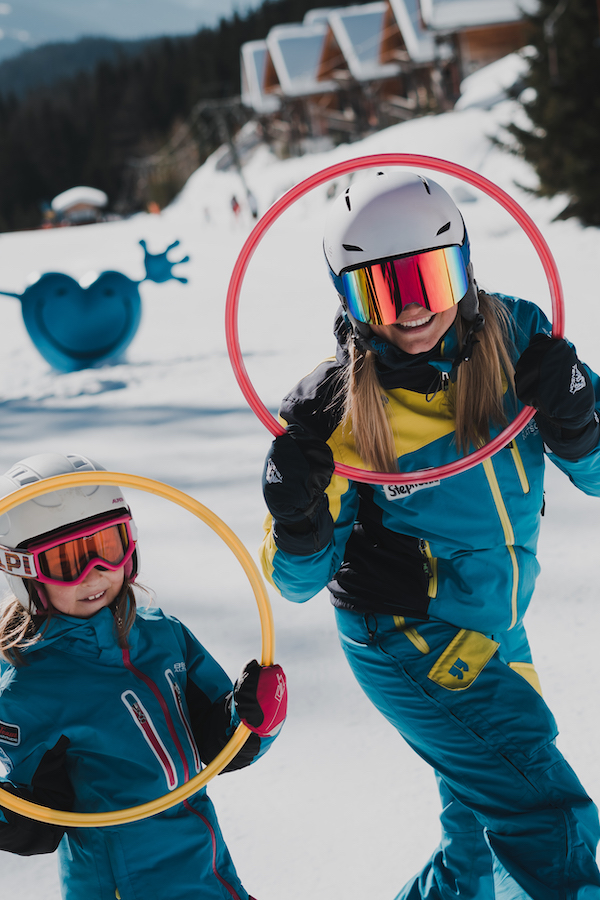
(175, 101)
(44, 66)
(25, 24)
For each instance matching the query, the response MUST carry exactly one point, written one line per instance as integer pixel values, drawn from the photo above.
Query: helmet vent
(425, 185)
(78, 462)
(352, 247)
(22, 476)
(444, 228)
(348, 200)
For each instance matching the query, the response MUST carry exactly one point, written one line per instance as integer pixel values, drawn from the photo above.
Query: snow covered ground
(340, 807)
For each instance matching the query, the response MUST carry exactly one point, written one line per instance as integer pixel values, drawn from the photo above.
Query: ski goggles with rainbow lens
(377, 293)
(69, 557)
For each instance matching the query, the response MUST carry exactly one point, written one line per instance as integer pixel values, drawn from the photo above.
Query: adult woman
(430, 582)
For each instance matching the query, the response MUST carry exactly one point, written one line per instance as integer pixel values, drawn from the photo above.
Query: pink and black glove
(550, 377)
(260, 697)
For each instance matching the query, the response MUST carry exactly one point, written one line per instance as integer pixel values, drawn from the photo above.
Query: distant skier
(430, 582)
(235, 206)
(105, 706)
(253, 205)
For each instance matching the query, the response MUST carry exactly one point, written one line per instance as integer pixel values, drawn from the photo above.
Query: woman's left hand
(260, 697)
(550, 377)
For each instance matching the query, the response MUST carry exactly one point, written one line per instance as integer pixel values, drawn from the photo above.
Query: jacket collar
(93, 638)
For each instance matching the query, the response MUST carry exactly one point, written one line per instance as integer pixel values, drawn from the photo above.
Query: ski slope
(340, 807)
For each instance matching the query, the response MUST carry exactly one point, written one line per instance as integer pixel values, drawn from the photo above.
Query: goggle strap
(17, 562)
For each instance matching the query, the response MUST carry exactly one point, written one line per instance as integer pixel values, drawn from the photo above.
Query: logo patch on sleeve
(10, 734)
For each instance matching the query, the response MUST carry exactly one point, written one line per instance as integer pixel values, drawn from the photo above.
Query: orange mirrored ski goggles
(68, 558)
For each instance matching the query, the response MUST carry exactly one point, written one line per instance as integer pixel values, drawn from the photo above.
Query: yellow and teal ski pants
(516, 821)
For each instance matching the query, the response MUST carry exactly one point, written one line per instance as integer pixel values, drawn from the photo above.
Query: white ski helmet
(391, 214)
(56, 510)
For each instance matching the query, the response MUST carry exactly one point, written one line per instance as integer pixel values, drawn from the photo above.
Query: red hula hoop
(343, 168)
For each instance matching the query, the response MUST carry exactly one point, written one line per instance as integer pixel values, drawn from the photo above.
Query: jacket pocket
(462, 660)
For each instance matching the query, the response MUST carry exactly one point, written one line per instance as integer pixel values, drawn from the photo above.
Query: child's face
(98, 589)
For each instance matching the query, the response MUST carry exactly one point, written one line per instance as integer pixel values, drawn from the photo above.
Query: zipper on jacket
(171, 727)
(430, 566)
(163, 705)
(509, 535)
(177, 696)
(519, 466)
(412, 634)
(142, 719)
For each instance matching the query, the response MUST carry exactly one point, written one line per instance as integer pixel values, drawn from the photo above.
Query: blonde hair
(475, 399)
(21, 628)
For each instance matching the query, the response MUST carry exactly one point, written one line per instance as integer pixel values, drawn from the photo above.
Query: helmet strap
(38, 596)
(360, 341)
(131, 568)
(466, 351)
(359, 332)
(469, 305)
(443, 377)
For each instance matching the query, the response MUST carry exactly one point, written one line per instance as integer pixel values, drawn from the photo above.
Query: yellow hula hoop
(241, 734)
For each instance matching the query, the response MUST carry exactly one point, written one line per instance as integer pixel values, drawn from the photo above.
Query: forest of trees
(47, 64)
(97, 126)
(90, 128)
(563, 145)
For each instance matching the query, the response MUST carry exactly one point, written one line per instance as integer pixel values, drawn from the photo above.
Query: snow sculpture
(75, 326)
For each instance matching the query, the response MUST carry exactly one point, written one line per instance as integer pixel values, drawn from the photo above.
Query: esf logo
(400, 491)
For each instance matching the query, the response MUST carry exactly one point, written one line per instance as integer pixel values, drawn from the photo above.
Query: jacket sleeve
(213, 718)
(299, 576)
(50, 787)
(585, 472)
(315, 406)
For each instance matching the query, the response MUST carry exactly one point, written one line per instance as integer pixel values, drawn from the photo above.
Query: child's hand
(260, 697)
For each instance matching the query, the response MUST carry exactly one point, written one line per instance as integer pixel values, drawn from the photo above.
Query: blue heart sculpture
(75, 327)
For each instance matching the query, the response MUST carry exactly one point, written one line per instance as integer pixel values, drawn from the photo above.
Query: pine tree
(563, 144)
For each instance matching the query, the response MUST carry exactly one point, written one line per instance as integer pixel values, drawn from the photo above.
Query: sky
(340, 806)
(28, 23)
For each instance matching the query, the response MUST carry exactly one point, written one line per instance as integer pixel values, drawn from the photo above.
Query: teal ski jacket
(89, 726)
(461, 550)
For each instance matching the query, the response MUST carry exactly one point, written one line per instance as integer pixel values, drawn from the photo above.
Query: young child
(105, 706)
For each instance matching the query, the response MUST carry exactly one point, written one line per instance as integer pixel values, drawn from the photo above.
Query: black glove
(297, 470)
(550, 377)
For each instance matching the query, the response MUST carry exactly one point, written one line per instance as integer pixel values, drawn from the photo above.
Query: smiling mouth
(93, 597)
(415, 323)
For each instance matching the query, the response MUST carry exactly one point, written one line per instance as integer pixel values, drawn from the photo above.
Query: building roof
(254, 63)
(442, 15)
(368, 42)
(363, 34)
(419, 40)
(296, 52)
(316, 16)
(79, 196)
